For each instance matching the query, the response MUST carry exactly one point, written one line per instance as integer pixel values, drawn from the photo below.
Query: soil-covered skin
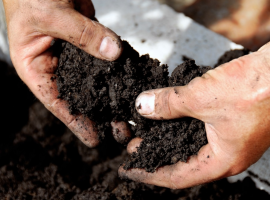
(106, 91)
(41, 159)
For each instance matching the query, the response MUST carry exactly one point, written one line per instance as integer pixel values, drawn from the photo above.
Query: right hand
(32, 26)
(234, 102)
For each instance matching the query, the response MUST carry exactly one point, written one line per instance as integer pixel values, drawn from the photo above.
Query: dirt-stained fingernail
(145, 103)
(109, 48)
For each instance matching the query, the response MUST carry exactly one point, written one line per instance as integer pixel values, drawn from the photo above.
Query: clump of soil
(106, 91)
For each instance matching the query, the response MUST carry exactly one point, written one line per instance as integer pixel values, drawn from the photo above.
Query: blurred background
(246, 22)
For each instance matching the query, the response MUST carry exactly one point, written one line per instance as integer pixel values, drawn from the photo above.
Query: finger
(121, 132)
(133, 145)
(88, 35)
(40, 78)
(203, 168)
(174, 102)
(80, 125)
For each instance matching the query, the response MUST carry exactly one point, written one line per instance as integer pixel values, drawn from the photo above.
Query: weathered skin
(32, 26)
(234, 102)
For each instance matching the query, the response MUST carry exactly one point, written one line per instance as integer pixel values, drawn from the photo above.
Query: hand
(32, 26)
(234, 102)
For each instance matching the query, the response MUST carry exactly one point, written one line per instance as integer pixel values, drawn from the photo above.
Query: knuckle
(194, 82)
(238, 64)
(87, 35)
(196, 95)
(209, 74)
(162, 103)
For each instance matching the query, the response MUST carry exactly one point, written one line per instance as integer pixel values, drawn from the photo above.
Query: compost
(41, 159)
(106, 91)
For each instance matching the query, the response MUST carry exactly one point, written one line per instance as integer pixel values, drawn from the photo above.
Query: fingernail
(109, 48)
(145, 103)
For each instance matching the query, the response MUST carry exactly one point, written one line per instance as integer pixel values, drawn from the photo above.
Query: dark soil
(106, 91)
(41, 159)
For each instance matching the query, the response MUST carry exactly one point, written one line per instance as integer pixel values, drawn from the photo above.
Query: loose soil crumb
(106, 91)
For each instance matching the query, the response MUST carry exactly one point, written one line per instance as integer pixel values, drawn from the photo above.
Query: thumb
(88, 35)
(173, 102)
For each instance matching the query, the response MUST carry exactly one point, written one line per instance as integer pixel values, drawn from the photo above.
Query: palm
(32, 26)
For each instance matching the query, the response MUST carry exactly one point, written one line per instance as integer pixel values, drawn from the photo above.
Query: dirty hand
(234, 102)
(32, 26)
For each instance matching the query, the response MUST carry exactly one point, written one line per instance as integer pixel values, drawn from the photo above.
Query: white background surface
(167, 35)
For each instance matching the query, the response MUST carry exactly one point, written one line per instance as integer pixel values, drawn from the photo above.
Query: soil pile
(41, 159)
(106, 91)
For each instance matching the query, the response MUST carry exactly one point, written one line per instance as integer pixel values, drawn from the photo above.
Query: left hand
(32, 26)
